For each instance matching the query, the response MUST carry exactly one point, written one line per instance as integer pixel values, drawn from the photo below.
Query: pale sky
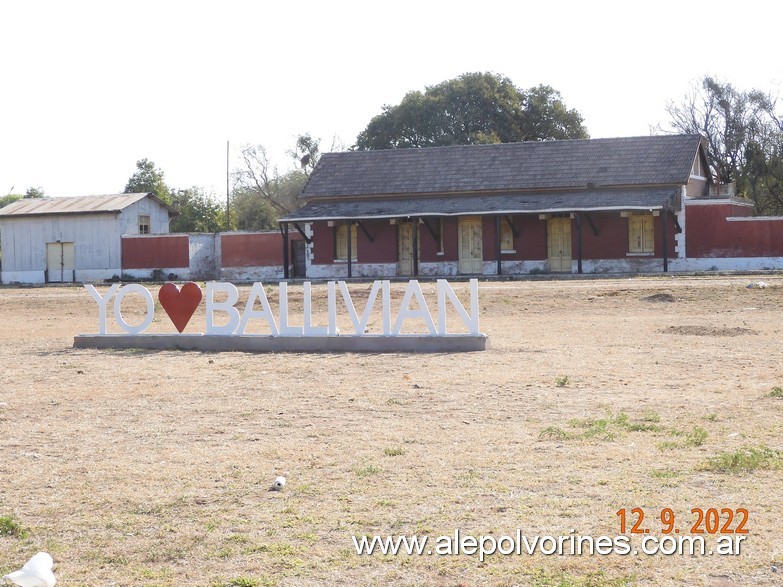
(89, 87)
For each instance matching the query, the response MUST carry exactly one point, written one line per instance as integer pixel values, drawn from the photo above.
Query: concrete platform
(454, 343)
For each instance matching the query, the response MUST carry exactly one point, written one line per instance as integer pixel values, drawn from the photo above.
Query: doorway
(559, 244)
(60, 262)
(471, 253)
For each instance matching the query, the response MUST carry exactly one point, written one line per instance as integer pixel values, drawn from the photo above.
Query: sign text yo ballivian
(227, 320)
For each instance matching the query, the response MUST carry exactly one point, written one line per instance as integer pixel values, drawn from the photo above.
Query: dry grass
(151, 468)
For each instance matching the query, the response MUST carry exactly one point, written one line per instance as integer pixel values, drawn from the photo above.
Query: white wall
(95, 237)
(159, 217)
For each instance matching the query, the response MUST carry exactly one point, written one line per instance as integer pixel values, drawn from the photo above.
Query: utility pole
(228, 194)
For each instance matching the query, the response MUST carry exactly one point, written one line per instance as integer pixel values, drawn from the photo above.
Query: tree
(35, 193)
(744, 138)
(473, 108)
(259, 179)
(30, 193)
(148, 178)
(198, 211)
(306, 154)
(250, 212)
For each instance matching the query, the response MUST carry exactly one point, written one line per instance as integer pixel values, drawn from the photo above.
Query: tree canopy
(744, 136)
(148, 178)
(262, 193)
(198, 211)
(30, 193)
(473, 108)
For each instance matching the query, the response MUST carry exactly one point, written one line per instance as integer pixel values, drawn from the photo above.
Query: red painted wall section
(323, 244)
(155, 252)
(710, 234)
(254, 249)
(383, 247)
(531, 244)
(611, 242)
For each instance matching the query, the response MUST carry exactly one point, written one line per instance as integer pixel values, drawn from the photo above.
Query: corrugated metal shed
(78, 205)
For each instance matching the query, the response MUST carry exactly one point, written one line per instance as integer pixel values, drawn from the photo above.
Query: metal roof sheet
(77, 205)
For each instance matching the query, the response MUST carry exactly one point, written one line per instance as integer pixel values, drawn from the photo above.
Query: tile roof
(528, 203)
(77, 205)
(543, 165)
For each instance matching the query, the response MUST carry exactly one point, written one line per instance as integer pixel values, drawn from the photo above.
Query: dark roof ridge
(537, 142)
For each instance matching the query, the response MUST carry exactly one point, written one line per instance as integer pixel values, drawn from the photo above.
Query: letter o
(545, 550)
(121, 293)
(510, 545)
(667, 545)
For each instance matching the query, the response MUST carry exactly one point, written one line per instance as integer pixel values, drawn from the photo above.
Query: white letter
(359, 326)
(471, 322)
(405, 311)
(232, 295)
(123, 291)
(257, 291)
(331, 296)
(285, 329)
(386, 307)
(308, 328)
(102, 301)
(443, 545)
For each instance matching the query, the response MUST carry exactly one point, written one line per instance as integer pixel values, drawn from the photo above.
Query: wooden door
(60, 262)
(559, 245)
(405, 253)
(471, 253)
(299, 253)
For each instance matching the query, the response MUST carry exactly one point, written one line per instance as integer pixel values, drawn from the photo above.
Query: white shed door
(60, 262)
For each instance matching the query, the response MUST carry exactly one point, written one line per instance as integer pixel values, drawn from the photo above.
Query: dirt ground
(152, 468)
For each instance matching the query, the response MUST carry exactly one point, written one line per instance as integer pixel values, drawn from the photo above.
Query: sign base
(452, 343)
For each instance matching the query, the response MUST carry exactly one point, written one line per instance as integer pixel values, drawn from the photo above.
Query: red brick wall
(383, 248)
(709, 234)
(255, 249)
(155, 252)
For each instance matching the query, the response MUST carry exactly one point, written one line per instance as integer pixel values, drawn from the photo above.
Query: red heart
(180, 303)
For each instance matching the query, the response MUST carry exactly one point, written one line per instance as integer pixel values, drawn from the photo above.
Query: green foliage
(776, 392)
(198, 212)
(238, 582)
(9, 199)
(306, 153)
(148, 178)
(10, 526)
(543, 578)
(474, 108)
(561, 380)
(35, 193)
(745, 460)
(367, 471)
(696, 437)
(262, 194)
(744, 136)
(553, 432)
(393, 452)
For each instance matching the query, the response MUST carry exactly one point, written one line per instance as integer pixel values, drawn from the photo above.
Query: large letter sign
(228, 325)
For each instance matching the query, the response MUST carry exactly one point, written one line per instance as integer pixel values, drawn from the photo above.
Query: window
(144, 224)
(506, 236)
(641, 236)
(440, 250)
(696, 170)
(341, 242)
